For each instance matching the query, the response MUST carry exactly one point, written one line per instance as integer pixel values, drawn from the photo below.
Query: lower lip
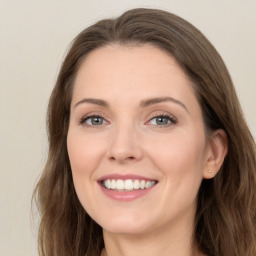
(125, 195)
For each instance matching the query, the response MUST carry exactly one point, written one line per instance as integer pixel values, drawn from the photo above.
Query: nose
(125, 146)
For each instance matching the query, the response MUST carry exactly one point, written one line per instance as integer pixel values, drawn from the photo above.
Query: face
(136, 140)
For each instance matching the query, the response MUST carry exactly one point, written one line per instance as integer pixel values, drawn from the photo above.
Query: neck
(165, 242)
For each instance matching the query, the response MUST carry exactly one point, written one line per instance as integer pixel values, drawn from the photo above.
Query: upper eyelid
(94, 113)
(171, 118)
(91, 115)
(165, 115)
(161, 113)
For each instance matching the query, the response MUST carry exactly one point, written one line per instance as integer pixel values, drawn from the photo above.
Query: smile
(127, 187)
(127, 184)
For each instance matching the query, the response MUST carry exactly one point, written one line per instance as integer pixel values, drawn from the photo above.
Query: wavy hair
(225, 218)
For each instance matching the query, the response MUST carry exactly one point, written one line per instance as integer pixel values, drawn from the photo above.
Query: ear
(216, 152)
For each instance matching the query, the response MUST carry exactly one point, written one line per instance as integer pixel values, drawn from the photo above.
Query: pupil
(162, 120)
(97, 120)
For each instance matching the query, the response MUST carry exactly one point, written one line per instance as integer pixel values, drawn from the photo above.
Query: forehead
(133, 71)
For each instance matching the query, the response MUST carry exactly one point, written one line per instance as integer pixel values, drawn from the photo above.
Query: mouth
(127, 185)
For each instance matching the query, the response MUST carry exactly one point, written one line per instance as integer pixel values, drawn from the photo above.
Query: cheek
(182, 164)
(180, 157)
(83, 153)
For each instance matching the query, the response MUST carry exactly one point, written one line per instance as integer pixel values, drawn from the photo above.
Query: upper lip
(125, 177)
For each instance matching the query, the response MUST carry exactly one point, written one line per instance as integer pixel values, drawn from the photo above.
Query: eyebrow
(152, 101)
(144, 103)
(99, 102)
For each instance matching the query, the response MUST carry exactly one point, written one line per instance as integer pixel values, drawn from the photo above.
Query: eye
(94, 120)
(162, 120)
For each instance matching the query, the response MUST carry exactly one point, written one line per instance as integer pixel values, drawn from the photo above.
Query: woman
(149, 153)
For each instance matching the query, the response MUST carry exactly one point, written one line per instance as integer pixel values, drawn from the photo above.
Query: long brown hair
(225, 219)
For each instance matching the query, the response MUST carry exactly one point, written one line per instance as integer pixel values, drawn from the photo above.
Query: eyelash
(171, 120)
(88, 117)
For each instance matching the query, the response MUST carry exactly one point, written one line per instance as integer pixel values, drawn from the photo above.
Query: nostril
(122, 159)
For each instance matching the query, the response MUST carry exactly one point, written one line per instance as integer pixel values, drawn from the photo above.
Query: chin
(126, 224)
(126, 229)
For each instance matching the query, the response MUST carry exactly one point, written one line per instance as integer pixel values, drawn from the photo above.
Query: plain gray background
(34, 36)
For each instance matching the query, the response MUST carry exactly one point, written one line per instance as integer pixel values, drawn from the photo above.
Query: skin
(130, 141)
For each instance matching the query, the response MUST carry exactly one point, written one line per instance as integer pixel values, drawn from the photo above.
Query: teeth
(108, 183)
(136, 184)
(127, 185)
(113, 184)
(148, 184)
(119, 184)
(142, 184)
